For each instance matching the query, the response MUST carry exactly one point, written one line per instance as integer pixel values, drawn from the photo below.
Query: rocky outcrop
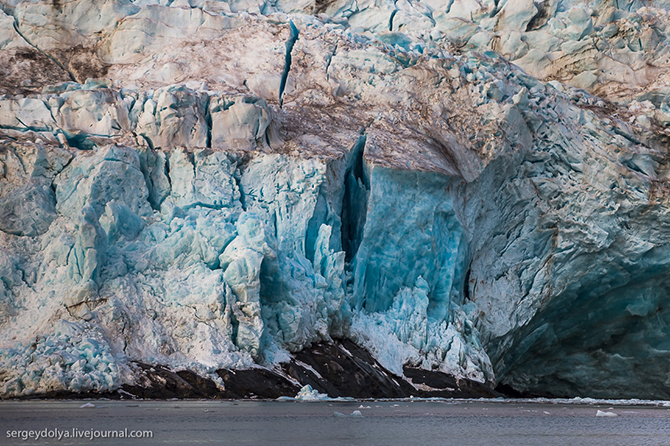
(336, 369)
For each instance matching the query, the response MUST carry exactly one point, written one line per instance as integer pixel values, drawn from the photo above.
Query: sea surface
(405, 422)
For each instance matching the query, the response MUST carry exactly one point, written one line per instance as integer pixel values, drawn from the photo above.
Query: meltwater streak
(435, 422)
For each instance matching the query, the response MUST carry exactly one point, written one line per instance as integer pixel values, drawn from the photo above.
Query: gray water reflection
(493, 423)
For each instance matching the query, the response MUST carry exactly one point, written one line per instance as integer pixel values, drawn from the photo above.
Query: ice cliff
(473, 187)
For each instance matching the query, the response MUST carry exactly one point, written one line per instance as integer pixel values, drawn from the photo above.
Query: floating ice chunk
(354, 414)
(600, 413)
(309, 394)
(87, 406)
(580, 400)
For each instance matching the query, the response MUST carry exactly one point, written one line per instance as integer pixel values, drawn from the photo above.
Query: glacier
(472, 188)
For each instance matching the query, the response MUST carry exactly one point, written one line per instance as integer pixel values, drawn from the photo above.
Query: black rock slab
(430, 383)
(342, 368)
(256, 383)
(159, 382)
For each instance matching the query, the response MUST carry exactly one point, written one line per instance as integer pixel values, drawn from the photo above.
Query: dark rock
(66, 394)
(437, 384)
(338, 369)
(257, 382)
(344, 369)
(204, 386)
(510, 392)
(158, 382)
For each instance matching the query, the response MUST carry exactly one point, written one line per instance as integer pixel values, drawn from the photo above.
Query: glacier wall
(218, 274)
(478, 188)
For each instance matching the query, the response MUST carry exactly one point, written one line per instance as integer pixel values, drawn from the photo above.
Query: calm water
(451, 422)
